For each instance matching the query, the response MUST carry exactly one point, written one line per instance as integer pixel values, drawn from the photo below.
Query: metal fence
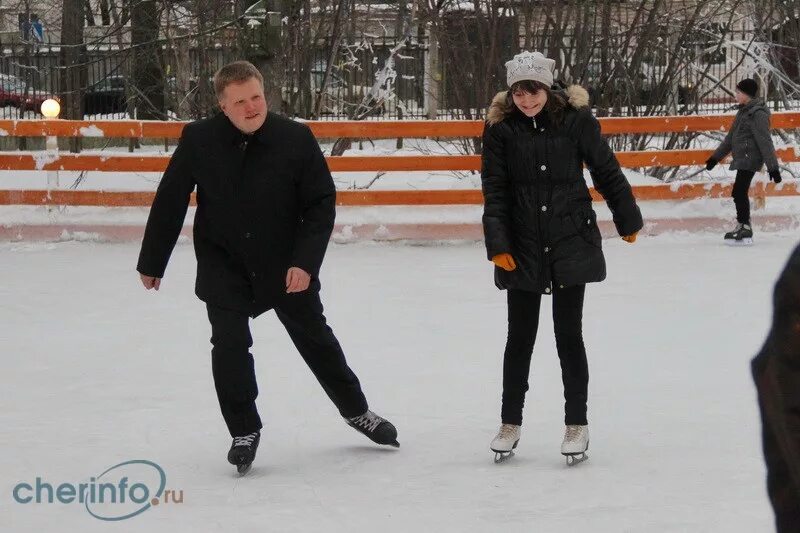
(359, 66)
(29, 74)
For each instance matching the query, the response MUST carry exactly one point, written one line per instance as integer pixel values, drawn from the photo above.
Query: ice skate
(741, 236)
(505, 442)
(243, 451)
(376, 428)
(576, 442)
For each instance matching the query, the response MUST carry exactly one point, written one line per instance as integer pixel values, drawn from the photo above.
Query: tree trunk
(433, 75)
(336, 39)
(89, 13)
(148, 79)
(73, 74)
(105, 13)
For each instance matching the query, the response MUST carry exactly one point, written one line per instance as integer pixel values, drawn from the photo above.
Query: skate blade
(243, 469)
(743, 242)
(502, 457)
(575, 458)
(394, 444)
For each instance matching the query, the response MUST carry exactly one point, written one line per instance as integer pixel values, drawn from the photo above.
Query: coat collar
(752, 106)
(501, 108)
(230, 134)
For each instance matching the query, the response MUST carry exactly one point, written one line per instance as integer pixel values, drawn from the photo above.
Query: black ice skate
(243, 451)
(379, 430)
(741, 236)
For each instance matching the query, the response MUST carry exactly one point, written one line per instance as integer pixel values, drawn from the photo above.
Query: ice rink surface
(96, 371)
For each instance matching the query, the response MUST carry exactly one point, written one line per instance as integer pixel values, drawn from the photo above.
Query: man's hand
(297, 280)
(150, 282)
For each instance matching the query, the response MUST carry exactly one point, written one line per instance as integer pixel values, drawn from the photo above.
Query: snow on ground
(97, 371)
(689, 210)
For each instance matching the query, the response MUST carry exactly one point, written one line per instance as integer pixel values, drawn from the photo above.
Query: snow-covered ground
(97, 371)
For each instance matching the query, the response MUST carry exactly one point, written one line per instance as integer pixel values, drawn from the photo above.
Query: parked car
(15, 93)
(106, 96)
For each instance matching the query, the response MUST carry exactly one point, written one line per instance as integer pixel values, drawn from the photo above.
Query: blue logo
(120, 492)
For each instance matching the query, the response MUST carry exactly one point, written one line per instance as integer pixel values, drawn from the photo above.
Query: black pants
(740, 197)
(523, 323)
(234, 372)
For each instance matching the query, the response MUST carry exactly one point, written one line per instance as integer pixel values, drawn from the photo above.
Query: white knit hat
(530, 66)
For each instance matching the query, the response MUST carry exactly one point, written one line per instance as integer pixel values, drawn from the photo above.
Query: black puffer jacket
(537, 206)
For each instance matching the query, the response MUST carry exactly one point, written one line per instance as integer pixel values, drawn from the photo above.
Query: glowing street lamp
(50, 109)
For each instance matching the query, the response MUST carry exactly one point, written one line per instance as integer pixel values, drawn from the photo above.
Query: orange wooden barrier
(397, 129)
(372, 198)
(374, 129)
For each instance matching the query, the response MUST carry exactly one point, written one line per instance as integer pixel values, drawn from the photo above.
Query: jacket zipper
(543, 268)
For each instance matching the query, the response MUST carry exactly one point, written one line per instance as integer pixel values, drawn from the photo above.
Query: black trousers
(741, 187)
(523, 323)
(233, 367)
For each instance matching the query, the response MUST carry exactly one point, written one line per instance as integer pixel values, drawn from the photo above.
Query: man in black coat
(776, 370)
(265, 213)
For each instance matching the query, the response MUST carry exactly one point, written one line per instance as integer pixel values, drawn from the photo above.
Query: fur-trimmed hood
(576, 95)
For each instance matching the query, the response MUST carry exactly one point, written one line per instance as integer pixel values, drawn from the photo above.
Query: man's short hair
(236, 72)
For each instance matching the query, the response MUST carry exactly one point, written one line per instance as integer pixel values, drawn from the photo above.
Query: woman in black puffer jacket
(541, 230)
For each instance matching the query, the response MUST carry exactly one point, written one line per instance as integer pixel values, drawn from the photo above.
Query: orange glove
(630, 238)
(504, 261)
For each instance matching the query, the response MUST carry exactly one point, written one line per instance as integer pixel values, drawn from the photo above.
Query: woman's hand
(630, 238)
(504, 261)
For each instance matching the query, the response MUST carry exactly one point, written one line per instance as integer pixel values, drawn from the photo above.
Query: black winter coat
(265, 203)
(776, 370)
(537, 206)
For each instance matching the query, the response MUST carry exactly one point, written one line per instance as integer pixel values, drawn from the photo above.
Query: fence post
(759, 197)
(50, 110)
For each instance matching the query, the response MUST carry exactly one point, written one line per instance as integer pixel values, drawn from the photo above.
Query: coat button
(247, 235)
(547, 290)
(543, 167)
(544, 208)
(253, 275)
(546, 249)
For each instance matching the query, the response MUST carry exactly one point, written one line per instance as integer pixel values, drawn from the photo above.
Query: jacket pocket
(585, 222)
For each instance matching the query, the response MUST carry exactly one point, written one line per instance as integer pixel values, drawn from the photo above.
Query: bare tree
(73, 72)
(336, 37)
(147, 80)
